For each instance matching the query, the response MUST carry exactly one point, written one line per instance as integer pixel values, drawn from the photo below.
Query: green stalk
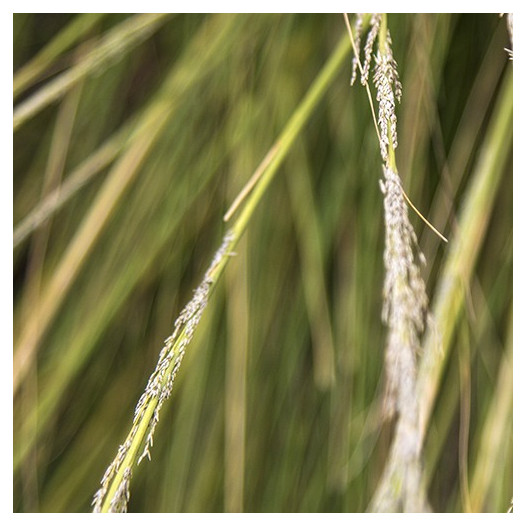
(496, 433)
(147, 132)
(114, 45)
(291, 131)
(115, 483)
(26, 76)
(464, 250)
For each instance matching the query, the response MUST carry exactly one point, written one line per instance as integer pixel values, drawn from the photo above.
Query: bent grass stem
(114, 492)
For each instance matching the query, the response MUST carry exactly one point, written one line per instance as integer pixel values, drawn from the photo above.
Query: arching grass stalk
(405, 299)
(114, 492)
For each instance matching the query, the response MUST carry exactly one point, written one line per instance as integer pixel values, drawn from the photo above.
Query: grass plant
(135, 138)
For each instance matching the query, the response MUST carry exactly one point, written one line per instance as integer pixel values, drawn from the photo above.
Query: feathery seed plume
(157, 391)
(368, 49)
(388, 88)
(358, 26)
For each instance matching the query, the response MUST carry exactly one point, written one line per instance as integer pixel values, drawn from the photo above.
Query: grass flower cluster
(114, 492)
(405, 298)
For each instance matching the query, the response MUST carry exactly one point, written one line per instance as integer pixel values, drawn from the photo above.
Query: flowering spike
(159, 388)
(388, 88)
(368, 50)
(358, 27)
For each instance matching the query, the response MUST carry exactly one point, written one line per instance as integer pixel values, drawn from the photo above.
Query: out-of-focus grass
(286, 366)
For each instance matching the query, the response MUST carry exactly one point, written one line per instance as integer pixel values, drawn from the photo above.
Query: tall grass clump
(232, 264)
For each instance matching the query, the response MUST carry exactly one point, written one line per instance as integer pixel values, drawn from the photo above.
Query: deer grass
(278, 404)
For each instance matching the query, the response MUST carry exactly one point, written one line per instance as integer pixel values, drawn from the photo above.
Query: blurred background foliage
(277, 405)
